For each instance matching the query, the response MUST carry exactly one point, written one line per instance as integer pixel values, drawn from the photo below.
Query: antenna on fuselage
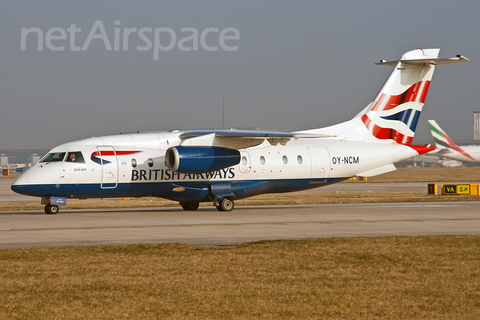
(223, 113)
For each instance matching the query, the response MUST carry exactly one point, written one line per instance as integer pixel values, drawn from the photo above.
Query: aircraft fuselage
(133, 165)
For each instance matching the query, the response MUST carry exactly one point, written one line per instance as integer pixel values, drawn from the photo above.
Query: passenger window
(75, 157)
(262, 160)
(285, 159)
(299, 159)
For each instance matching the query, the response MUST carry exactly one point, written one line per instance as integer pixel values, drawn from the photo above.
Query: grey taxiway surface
(207, 226)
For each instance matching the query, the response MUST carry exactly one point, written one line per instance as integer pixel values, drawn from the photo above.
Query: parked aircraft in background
(221, 166)
(448, 149)
(450, 163)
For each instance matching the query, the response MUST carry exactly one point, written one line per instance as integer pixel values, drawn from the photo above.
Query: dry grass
(350, 197)
(460, 174)
(12, 176)
(353, 278)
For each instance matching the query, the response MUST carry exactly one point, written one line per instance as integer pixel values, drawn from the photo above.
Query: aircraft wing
(240, 139)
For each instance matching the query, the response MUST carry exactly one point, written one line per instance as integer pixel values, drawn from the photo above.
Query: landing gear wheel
(49, 209)
(189, 206)
(226, 204)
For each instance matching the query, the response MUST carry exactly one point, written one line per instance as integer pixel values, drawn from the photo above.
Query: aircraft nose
(20, 183)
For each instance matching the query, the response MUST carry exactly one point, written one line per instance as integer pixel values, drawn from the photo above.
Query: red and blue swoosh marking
(415, 93)
(97, 156)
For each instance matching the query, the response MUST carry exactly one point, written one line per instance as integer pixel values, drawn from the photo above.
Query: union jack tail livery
(393, 114)
(395, 111)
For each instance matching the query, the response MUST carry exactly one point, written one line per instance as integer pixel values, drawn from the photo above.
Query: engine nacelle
(200, 159)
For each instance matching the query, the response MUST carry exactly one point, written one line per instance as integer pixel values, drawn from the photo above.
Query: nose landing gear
(51, 209)
(52, 203)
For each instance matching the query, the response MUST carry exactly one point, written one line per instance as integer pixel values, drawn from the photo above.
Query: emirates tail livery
(221, 166)
(448, 149)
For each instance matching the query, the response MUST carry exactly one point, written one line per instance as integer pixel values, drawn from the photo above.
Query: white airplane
(448, 149)
(221, 166)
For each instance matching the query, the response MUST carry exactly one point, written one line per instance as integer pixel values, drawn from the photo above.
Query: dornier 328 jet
(221, 166)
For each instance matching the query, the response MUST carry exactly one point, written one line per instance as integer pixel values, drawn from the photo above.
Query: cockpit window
(53, 157)
(75, 157)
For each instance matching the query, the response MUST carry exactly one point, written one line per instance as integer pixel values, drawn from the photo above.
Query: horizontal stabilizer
(435, 61)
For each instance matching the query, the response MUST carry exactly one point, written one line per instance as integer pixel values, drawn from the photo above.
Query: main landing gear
(189, 206)
(226, 204)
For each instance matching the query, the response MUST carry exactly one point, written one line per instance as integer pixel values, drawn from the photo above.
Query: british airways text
(167, 174)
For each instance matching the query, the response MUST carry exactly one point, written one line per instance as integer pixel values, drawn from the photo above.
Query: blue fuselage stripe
(177, 191)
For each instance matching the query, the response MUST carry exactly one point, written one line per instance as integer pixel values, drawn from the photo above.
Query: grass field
(338, 278)
(440, 174)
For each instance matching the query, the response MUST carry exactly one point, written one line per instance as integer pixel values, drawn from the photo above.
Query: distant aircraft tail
(393, 114)
(443, 141)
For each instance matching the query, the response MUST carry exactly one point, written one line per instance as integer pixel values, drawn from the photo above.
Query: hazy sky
(298, 65)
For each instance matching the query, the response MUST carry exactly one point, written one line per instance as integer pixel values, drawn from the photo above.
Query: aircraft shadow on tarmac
(146, 209)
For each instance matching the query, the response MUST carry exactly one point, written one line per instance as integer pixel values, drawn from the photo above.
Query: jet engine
(196, 159)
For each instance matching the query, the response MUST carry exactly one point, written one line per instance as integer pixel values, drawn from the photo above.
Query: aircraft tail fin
(443, 141)
(397, 107)
(393, 114)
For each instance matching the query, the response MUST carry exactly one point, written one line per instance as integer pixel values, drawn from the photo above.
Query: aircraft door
(108, 160)
(320, 162)
(245, 164)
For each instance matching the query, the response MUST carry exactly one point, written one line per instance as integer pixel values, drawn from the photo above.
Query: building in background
(476, 125)
(3, 160)
(16, 160)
